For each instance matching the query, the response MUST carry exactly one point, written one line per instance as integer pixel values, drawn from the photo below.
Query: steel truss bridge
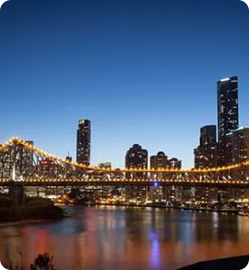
(22, 164)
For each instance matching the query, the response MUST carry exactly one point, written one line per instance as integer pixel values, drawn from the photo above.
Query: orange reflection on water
(123, 238)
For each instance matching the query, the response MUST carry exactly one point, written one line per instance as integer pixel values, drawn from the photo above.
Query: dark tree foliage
(43, 262)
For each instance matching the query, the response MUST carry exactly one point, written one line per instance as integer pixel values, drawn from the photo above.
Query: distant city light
(155, 184)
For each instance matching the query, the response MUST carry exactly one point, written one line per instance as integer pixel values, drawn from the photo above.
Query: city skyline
(116, 66)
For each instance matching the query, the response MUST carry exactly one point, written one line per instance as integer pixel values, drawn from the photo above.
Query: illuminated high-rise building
(228, 115)
(239, 140)
(206, 157)
(206, 152)
(174, 163)
(84, 142)
(159, 161)
(136, 158)
(238, 143)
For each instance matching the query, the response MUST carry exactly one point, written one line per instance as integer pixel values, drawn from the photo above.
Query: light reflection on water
(128, 238)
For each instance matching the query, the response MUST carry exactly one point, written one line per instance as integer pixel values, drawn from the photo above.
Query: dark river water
(127, 238)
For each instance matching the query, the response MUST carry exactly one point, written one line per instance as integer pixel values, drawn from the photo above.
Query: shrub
(43, 262)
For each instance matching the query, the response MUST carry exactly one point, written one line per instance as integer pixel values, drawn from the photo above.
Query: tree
(43, 262)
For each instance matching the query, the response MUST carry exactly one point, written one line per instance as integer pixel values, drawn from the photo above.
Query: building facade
(174, 193)
(164, 193)
(158, 161)
(83, 148)
(206, 156)
(228, 115)
(174, 163)
(136, 158)
(206, 152)
(239, 145)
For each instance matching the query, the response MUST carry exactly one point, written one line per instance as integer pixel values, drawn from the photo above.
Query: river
(106, 238)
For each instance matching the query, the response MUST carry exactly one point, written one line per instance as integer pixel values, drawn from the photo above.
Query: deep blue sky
(142, 71)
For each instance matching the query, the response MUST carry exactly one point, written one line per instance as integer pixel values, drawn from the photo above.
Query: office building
(206, 155)
(164, 193)
(208, 135)
(159, 161)
(228, 115)
(136, 158)
(206, 152)
(84, 142)
(239, 145)
(174, 163)
(175, 192)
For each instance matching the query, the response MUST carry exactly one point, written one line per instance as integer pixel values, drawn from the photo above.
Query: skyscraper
(238, 143)
(136, 157)
(84, 142)
(174, 163)
(206, 152)
(206, 157)
(159, 161)
(228, 115)
(239, 139)
(208, 135)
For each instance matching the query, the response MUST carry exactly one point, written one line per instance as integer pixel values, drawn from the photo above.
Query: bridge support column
(17, 194)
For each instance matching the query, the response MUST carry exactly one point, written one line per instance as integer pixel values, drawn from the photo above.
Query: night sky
(142, 71)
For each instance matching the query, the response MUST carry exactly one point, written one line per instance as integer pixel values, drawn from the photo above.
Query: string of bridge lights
(83, 166)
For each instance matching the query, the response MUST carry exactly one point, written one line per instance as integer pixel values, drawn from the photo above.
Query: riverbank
(24, 213)
(35, 208)
(158, 205)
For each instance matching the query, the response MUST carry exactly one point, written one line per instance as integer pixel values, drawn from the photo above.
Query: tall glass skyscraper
(83, 149)
(228, 114)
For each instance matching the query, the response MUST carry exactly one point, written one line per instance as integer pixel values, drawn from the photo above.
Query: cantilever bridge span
(22, 164)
